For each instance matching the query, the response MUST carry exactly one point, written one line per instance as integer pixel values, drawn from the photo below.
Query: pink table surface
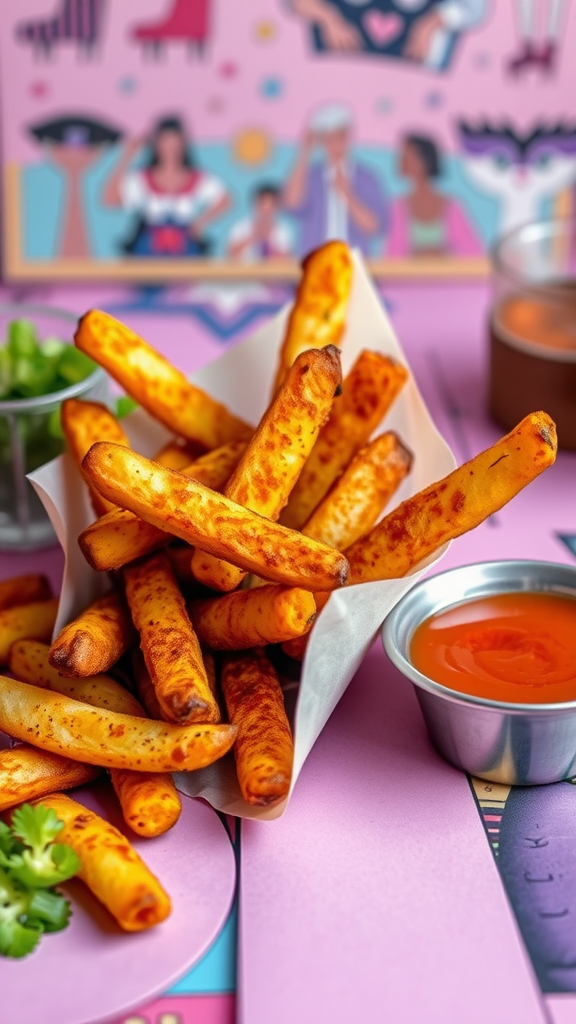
(376, 896)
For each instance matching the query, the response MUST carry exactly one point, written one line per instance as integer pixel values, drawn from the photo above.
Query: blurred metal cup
(513, 744)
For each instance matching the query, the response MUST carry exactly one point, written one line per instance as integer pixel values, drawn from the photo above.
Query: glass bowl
(29, 436)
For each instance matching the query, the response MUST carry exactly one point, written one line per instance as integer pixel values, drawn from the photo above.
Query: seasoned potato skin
(458, 503)
(157, 385)
(248, 618)
(318, 316)
(105, 738)
(111, 867)
(168, 642)
(201, 517)
(273, 460)
(368, 392)
(355, 501)
(121, 536)
(448, 508)
(264, 749)
(94, 641)
(149, 800)
(84, 423)
(27, 773)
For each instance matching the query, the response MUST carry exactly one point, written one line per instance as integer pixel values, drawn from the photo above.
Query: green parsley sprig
(31, 864)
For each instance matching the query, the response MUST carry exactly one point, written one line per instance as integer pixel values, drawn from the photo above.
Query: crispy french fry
(367, 393)
(24, 590)
(318, 316)
(121, 536)
(264, 750)
(248, 618)
(94, 641)
(145, 686)
(199, 516)
(111, 868)
(83, 423)
(272, 463)
(178, 453)
(357, 498)
(447, 509)
(168, 642)
(149, 800)
(27, 773)
(29, 662)
(452, 506)
(157, 385)
(34, 620)
(107, 738)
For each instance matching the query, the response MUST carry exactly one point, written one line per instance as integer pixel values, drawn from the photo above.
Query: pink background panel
(475, 86)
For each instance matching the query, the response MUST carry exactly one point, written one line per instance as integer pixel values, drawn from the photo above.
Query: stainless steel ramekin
(515, 744)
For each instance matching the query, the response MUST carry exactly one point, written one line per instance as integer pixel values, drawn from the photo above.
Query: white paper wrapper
(349, 622)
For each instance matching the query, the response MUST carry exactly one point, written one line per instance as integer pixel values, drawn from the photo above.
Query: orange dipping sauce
(519, 648)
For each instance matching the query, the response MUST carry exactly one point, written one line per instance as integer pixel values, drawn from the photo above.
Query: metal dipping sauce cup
(513, 744)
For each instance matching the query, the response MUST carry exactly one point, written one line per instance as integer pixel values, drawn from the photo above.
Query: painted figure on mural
(538, 49)
(423, 31)
(522, 170)
(425, 222)
(331, 194)
(264, 234)
(172, 199)
(73, 144)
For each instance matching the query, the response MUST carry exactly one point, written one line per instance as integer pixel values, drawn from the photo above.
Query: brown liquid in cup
(533, 359)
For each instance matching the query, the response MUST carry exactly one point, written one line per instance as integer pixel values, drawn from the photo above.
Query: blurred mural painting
(154, 134)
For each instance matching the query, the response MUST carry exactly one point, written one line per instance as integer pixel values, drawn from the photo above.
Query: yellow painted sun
(265, 31)
(252, 146)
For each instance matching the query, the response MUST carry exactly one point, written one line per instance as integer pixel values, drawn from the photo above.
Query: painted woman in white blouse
(172, 199)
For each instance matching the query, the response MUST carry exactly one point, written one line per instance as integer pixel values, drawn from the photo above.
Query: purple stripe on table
(368, 901)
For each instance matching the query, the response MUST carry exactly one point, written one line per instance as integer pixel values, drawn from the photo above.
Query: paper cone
(349, 622)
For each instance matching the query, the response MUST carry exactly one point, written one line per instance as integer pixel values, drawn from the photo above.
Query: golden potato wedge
(94, 641)
(27, 773)
(25, 589)
(157, 385)
(367, 393)
(355, 501)
(121, 536)
(199, 516)
(29, 662)
(111, 868)
(452, 506)
(318, 316)
(107, 738)
(249, 618)
(83, 423)
(178, 453)
(264, 749)
(420, 525)
(272, 463)
(168, 642)
(34, 620)
(149, 800)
